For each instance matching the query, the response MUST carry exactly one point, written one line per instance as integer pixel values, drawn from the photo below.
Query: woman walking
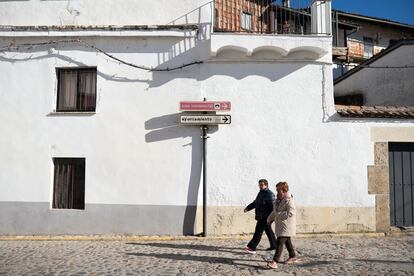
(284, 216)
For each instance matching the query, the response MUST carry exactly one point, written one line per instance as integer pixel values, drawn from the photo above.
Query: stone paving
(354, 255)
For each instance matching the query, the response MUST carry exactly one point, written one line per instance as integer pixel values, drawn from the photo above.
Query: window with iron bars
(69, 183)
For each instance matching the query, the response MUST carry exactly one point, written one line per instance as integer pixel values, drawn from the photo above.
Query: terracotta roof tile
(7, 28)
(405, 112)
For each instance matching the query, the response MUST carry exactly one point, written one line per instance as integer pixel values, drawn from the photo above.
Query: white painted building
(141, 169)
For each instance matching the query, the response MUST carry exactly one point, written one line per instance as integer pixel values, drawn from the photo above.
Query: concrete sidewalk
(323, 255)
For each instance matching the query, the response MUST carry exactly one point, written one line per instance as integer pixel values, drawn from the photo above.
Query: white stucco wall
(137, 154)
(127, 99)
(384, 86)
(284, 127)
(104, 12)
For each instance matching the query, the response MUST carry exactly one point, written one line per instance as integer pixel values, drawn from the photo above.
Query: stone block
(378, 180)
(381, 153)
(335, 219)
(382, 213)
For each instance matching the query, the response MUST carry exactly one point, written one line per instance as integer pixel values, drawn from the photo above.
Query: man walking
(263, 205)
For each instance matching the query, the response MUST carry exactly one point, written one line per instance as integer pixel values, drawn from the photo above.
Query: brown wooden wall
(229, 12)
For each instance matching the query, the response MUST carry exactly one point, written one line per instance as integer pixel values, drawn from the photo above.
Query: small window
(246, 21)
(368, 47)
(69, 183)
(76, 90)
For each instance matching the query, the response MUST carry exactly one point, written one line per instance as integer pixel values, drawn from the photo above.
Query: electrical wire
(142, 67)
(29, 46)
(378, 67)
(387, 67)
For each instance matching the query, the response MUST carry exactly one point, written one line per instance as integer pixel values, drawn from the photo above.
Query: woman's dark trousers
(261, 226)
(279, 248)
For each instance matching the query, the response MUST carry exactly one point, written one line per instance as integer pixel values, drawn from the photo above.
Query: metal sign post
(204, 137)
(204, 120)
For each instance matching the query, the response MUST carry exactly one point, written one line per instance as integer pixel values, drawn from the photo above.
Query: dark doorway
(401, 163)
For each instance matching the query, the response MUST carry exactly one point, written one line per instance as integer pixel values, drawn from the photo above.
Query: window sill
(76, 113)
(65, 210)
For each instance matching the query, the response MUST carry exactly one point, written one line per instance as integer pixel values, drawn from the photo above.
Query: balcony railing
(263, 16)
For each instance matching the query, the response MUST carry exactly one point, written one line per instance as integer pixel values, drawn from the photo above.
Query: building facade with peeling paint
(91, 141)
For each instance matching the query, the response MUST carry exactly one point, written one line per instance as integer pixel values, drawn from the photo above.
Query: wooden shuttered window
(69, 183)
(76, 90)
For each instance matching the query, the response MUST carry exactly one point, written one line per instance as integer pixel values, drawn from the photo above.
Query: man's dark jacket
(263, 204)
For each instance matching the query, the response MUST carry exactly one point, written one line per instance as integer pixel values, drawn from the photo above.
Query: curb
(117, 238)
(342, 235)
(396, 231)
(189, 238)
(399, 234)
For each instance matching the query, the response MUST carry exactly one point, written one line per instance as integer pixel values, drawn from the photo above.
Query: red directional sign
(205, 106)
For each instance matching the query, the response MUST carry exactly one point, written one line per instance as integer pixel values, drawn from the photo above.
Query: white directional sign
(205, 119)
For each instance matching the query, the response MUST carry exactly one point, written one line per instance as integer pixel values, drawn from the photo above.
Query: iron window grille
(69, 183)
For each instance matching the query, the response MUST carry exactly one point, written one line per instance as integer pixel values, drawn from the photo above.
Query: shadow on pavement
(208, 259)
(314, 263)
(380, 261)
(234, 250)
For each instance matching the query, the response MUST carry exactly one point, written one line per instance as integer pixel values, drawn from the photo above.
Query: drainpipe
(337, 28)
(346, 43)
(213, 16)
(204, 137)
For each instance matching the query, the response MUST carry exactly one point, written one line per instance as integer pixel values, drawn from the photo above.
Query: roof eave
(378, 20)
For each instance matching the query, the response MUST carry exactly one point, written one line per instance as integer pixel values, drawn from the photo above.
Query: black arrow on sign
(226, 119)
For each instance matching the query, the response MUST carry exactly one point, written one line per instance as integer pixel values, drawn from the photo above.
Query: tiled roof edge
(373, 18)
(9, 28)
(402, 112)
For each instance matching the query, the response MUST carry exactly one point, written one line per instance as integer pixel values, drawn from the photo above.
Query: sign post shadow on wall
(168, 127)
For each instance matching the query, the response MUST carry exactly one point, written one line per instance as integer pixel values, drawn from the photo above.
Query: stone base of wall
(36, 218)
(232, 220)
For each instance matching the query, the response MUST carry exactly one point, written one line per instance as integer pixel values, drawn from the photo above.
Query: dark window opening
(368, 47)
(357, 99)
(76, 90)
(246, 21)
(69, 183)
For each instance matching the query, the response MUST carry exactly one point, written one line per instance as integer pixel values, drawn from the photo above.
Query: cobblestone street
(353, 255)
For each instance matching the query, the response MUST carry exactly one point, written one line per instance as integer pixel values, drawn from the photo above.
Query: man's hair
(263, 181)
(283, 185)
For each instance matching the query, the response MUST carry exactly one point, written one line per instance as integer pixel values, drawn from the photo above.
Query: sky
(396, 10)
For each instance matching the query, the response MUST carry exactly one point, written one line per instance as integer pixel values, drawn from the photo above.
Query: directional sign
(205, 106)
(205, 119)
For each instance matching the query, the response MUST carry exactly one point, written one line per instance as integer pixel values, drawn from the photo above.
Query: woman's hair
(283, 185)
(264, 181)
